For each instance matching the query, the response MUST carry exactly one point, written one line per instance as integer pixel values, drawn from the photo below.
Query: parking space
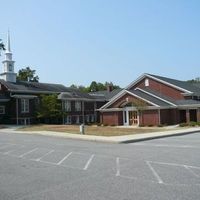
(144, 170)
(169, 162)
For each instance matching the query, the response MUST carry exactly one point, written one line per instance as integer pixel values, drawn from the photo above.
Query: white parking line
(88, 162)
(191, 171)
(154, 172)
(46, 154)
(6, 145)
(117, 167)
(174, 164)
(24, 154)
(60, 162)
(8, 152)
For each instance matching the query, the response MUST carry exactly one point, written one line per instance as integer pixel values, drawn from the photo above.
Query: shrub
(183, 124)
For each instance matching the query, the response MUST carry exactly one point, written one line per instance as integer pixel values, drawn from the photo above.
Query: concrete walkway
(112, 139)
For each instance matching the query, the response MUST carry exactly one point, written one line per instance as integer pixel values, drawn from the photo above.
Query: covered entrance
(130, 117)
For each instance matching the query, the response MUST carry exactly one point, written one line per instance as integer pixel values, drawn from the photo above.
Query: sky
(78, 41)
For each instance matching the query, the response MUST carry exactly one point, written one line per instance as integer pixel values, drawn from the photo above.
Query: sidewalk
(112, 139)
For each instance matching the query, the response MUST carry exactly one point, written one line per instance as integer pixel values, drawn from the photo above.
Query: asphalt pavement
(40, 167)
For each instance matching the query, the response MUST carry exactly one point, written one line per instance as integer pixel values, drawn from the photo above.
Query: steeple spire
(8, 50)
(8, 64)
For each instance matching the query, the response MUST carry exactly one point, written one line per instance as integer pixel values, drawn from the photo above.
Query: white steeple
(8, 64)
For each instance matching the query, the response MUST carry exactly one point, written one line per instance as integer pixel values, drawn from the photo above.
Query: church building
(19, 99)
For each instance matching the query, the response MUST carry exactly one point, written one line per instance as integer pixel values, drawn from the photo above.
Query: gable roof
(105, 95)
(34, 87)
(184, 86)
(138, 94)
(76, 94)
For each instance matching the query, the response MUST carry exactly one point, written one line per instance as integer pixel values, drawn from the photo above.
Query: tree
(93, 86)
(196, 80)
(49, 109)
(2, 46)
(26, 74)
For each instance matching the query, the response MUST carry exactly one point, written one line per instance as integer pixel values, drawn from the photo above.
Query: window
(92, 118)
(87, 118)
(24, 105)
(67, 105)
(10, 67)
(77, 119)
(77, 106)
(2, 110)
(68, 120)
(146, 82)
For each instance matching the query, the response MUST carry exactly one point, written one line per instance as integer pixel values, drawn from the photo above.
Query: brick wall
(161, 88)
(112, 118)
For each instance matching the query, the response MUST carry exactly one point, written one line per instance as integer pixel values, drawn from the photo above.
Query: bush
(183, 124)
(190, 124)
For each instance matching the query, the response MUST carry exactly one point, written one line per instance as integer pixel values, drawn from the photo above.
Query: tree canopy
(2, 46)
(27, 74)
(196, 80)
(95, 86)
(49, 108)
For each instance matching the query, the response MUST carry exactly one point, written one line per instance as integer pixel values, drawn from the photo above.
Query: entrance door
(133, 118)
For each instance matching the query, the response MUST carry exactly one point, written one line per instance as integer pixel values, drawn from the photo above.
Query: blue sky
(78, 41)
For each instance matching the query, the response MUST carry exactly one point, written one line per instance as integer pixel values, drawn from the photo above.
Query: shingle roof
(182, 84)
(34, 87)
(166, 98)
(75, 94)
(105, 95)
(150, 98)
(4, 98)
(187, 102)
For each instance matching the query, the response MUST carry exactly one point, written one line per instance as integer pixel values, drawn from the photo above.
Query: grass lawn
(95, 130)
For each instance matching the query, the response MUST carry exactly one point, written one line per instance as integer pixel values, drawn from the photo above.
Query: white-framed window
(77, 119)
(2, 110)
(24, 105)
(77, 105)
(67, 105)
(146, 82)
(68, 120)
(87, 118)
(92, 118)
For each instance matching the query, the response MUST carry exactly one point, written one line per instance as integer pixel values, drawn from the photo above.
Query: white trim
(3, 110)
(24, 106)
(143, 99)
(156, 96)
(157, 79)
(119, 95)
(116, 97)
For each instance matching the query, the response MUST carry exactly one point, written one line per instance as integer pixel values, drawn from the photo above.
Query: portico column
(127, 117)
(187, 115)
(198, 114)
(17, 121)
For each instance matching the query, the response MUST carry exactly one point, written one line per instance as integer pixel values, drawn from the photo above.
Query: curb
(157, 137)
(114, 139)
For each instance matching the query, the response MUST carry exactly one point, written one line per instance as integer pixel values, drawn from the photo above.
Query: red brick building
(153, 100)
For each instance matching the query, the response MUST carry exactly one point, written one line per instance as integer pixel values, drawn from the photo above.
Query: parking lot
(41, 167)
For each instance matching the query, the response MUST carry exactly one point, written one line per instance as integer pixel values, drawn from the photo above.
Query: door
(133, 118)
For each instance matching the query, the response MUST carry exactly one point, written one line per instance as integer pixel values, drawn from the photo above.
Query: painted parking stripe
(24, 154)
(67, 156)
(88, 162)
(6, 145)
(117, 167)
(191, 171)
(46, 154)
(13, 150)
(154, 172)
